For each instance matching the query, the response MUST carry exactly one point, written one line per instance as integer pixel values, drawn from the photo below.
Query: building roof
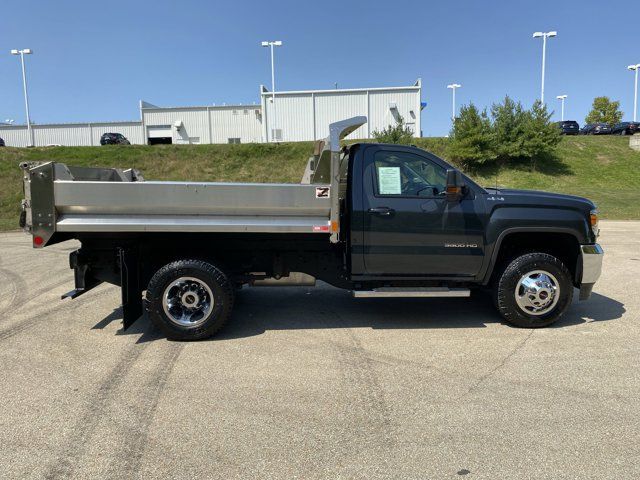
(148, 106)
(417, 85)
(69, 124)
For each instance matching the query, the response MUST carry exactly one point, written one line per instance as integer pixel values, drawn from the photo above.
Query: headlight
(593, 221)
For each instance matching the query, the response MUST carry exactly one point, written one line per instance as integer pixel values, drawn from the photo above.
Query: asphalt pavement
(310, 383)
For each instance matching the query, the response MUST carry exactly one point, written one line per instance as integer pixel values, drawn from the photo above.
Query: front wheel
(189, 299)
(534, 290)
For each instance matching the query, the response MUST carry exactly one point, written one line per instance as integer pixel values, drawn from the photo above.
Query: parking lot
(310, 383)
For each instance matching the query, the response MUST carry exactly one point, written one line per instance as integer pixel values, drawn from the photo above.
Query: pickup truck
(378, 220)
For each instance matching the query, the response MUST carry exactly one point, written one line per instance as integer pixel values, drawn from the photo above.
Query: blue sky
(94, 60)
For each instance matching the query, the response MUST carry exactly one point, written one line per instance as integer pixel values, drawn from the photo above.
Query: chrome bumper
(591, 262)
(591, 259)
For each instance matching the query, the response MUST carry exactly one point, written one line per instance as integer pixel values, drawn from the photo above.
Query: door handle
(382, 211)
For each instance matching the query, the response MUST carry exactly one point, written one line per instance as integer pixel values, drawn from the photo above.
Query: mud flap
(130, 286)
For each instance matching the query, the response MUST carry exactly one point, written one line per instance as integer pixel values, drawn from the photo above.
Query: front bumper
(591, 262)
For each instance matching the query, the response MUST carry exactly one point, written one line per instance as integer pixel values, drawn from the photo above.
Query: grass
(603, 169)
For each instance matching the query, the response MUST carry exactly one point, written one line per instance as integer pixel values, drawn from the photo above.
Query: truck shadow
(258, 310)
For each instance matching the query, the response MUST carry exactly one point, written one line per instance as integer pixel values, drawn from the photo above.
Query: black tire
(206, 274)
(505, 290)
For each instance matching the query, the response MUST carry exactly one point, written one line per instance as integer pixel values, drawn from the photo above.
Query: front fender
(506, 220)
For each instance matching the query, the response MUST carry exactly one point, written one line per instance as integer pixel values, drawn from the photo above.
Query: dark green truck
(379, 220)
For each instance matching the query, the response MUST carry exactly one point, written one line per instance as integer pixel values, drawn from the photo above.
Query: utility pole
(544, 36)
(22, 53)
(562, 98)
(271, 44)
(453, 88)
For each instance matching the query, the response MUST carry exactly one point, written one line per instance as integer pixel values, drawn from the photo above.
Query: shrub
(509, 134)
(471, 140)
(398, 133)
(509, 120)
(541, 136)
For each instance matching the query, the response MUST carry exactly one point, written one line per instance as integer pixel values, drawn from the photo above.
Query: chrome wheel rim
(537, 292)
(187, 301)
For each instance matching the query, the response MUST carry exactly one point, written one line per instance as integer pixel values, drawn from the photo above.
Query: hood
(538, 198)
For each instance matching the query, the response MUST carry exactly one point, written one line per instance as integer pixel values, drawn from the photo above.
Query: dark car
(568, 127)
(114, 139)
(596, 129)
(625, 128)
(1, 142)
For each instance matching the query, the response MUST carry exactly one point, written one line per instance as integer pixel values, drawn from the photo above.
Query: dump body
(67, 199)
(78, 203)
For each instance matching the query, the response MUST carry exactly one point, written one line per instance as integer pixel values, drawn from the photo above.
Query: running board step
(412, 292)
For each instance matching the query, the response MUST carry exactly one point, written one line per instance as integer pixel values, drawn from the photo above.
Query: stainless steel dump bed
(61, 198)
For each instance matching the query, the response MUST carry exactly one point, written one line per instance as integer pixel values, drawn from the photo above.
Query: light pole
(635, 90)
(453, 88)
(22, 53)
(271, 44)
(544, 36)
(562, 98)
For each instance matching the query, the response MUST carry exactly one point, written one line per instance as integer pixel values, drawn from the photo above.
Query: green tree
(510, 133)
(541, 136)
(398, 133)
(604, 110)
(471, 139)
(508, 120)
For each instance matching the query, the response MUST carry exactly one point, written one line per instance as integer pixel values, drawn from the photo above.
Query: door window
(400, 174)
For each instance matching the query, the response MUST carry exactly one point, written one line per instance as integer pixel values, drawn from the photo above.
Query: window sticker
(389, 181)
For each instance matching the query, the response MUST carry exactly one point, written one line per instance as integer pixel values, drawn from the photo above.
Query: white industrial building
(297, 116)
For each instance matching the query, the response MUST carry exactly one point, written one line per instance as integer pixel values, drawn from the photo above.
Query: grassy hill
(603, 169)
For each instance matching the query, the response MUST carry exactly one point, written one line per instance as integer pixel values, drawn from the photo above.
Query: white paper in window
(389, 181)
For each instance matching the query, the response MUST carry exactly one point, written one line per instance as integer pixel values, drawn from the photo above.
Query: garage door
(159, 131)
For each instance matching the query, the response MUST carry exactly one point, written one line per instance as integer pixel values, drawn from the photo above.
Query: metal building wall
(306, 115)
(195, 121)
(69, 134)
(331, 107)
(14, 135)
(381, 115)
(301, 115)
(211, 124)
(294, 116)
(131, 130)
(242, 121)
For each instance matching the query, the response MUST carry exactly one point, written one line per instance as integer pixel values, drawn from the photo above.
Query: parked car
(114, 139)
(568, 127)
(1, 142)
(596, 129)
(379, 220)
(625, 128)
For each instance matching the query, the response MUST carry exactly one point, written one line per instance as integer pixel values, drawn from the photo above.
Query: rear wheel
(534, 290)
(189, 299)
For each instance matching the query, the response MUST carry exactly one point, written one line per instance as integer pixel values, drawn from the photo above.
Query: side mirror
(454, 185)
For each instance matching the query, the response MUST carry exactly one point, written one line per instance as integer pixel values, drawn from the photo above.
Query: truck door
(410, 228)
